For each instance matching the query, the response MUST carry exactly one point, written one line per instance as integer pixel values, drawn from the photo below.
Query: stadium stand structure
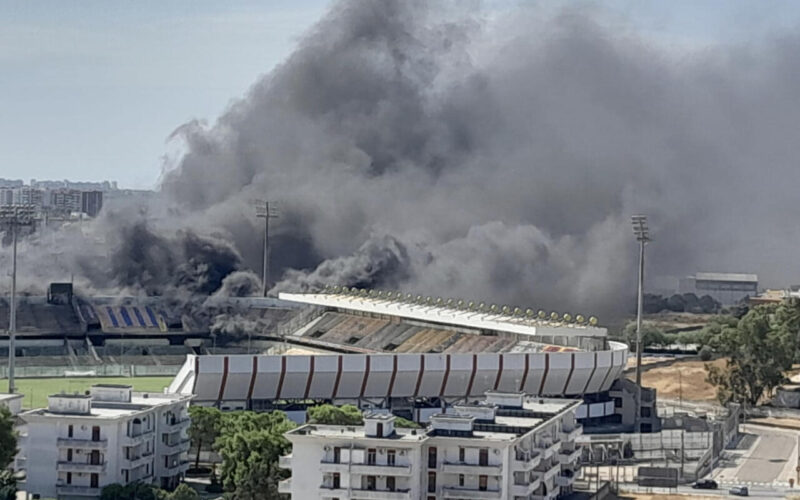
(413, 354)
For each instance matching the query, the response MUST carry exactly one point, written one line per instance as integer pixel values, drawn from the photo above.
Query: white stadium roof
(442, 314)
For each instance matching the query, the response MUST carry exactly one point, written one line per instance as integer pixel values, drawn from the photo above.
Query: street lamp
(13, 217)
(642, 233)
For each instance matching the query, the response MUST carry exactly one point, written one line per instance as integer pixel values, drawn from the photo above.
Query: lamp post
(13, 217)
(642, 233)
(268, 211)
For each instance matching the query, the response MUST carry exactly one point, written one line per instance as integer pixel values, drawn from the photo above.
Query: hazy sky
(91, 90)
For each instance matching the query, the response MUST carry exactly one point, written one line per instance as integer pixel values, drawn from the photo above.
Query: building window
(462, 455)
(371, 482)
(95, 433)
(94, 481)
(482, 481)
(431, 482)
(390, 457)
(461, 479)
(483, 457)
(337, 455)
(69, 455)
(432, 457)
(69, 430)
(371, 456)
(380, 429)
(69, 477)
(390, 483)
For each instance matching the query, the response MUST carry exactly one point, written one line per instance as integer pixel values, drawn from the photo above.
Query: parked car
(740, 491)
(705, 484)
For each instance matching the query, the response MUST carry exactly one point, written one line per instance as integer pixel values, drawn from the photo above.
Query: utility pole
(268, 211)
(13, 217)
(642, 233)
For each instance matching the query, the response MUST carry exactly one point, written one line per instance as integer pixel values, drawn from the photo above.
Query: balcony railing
(525, 490)
(177, 464)
(465, 468)
(285, 462)
(381, 469)
(80, 467)
(178, 447)
(85, 444)
(175, 424)
(567, 457)
(526, 461)
(74, 490)
(571, 433)
(460, 492)
(285, 486)
(362, 494)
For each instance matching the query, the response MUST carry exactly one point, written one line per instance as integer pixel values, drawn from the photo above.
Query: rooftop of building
(110, 409)
(739, 277)
(9, 397)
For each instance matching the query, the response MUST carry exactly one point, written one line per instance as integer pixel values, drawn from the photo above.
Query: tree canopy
(335, 415)
(250, 444)
(759, 348)
(8, 438)
(144, 491)
(204, 429)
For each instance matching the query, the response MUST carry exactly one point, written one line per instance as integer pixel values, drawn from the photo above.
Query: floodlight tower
(642, 233)
(268, 211)
(13, 217)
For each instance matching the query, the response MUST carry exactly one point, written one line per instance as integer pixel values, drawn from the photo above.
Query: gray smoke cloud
(427, 148)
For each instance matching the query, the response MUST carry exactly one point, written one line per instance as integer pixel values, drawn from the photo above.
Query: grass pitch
(36, 390)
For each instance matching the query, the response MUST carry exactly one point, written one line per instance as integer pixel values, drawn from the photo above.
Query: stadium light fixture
(267, 210)
(642, 232)
(13, 217)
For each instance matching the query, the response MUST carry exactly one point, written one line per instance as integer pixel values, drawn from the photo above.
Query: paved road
(768, 459)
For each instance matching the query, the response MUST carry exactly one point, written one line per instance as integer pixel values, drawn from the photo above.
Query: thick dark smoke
(425, 148)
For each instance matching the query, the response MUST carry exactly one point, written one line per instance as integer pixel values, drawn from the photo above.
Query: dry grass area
(667, 380)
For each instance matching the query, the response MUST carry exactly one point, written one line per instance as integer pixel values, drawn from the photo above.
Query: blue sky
(91, 90)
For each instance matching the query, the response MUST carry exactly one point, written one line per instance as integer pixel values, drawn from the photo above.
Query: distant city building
(82, 443)
(726, 288)
(58, 198)
(511, 447)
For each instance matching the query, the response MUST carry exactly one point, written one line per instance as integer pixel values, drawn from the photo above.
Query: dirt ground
(688, 377)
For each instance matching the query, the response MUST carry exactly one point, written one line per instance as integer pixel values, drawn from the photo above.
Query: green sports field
(36, 390)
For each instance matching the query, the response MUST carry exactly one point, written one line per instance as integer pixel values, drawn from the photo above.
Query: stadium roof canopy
(442, 314)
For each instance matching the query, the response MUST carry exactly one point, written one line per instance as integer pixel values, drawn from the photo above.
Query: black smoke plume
(429, 148)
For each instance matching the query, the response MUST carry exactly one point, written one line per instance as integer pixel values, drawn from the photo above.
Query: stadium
(416, 355)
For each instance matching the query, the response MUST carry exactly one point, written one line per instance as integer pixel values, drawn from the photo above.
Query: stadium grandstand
(415, 355)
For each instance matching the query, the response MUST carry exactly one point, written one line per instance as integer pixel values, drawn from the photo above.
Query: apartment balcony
(571, 434)
(80, 467)
(380, 470)
(79, 491)
(545, 475)
(181, 446)
(526, 461)
(525, 490)
(285, 486)
(380, 495)
(285, 462)
(459, 492)
(548, 450)
(136, 439)
(177, 466)
(553, 495)
(334, 466)
(328, 491)
(176, 425)
(464, 468)
(136, 462)
(564, 481)
(566, 457)
(83, 444)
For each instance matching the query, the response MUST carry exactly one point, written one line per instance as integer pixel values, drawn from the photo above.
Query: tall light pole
(13, 217)
(268, 211)
(642, 233)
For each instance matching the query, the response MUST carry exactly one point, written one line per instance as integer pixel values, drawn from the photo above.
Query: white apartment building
(509, 447)
(82, 443)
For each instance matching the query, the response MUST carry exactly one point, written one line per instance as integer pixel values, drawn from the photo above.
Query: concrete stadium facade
(248, 381)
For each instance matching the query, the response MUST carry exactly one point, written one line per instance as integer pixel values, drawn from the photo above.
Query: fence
(109, 370)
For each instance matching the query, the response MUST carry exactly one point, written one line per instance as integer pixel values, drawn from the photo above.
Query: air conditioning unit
(327, 448)
(402, 453)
